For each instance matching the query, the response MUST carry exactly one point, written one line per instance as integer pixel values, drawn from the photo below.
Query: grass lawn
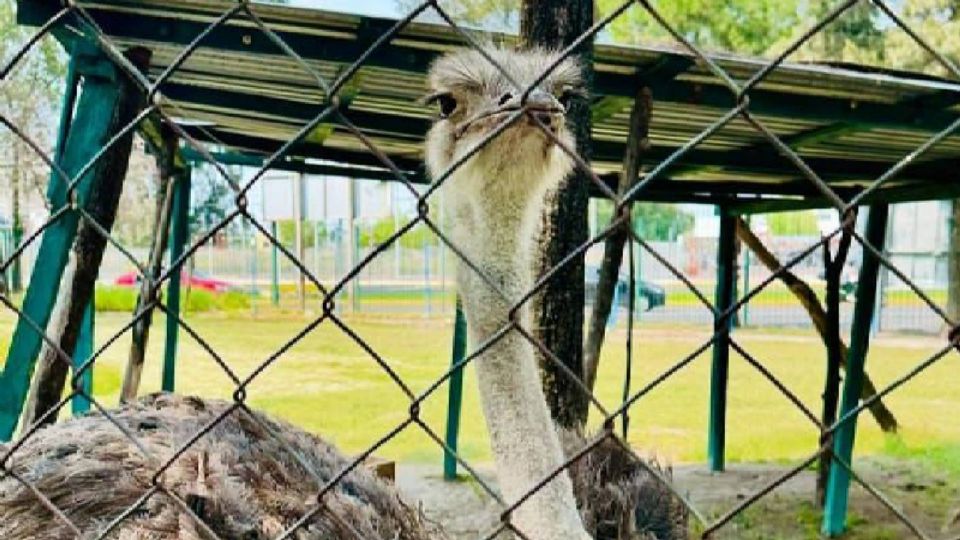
(329, 385)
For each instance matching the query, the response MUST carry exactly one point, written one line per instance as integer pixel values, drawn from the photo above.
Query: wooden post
(558, 311)
(140, 333)
(726, 276)
(455, 396)
(838, 485)
(179, 233)
(605, 298)
(108, 102)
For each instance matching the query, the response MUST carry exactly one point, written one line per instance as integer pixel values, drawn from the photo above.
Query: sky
(377, 8)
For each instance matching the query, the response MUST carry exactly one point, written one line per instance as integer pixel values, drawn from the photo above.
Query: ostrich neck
(496, 232)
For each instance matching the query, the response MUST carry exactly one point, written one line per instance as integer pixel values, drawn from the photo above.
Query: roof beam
(399, 56)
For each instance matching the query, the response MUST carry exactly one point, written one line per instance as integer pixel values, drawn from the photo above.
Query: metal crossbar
(68, 205)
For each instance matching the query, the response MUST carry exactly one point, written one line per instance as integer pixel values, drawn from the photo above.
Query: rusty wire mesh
(157, 105)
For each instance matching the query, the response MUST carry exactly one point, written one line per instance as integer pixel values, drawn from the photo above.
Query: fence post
(274, 265)
(455, 399)
(104, 94)
(838, 484)
(726, 274)
(299, 201)
(179, 231)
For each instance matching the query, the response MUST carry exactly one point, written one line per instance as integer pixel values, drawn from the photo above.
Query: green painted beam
(81, 354)
(295, 165)
(838, 483)
(930, 191)
(455, 395)
(96, 113)
(724, 298)
(179, 234)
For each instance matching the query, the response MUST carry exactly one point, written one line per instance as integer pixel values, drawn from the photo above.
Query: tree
(29, 98)
(747, 26)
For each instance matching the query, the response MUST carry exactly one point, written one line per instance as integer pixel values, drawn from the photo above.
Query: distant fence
(420, 280)
(6, 249)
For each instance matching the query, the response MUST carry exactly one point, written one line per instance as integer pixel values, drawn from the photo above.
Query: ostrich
(497, 197)
(251, 477)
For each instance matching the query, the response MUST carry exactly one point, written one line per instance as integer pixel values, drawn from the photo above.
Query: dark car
(649, 295)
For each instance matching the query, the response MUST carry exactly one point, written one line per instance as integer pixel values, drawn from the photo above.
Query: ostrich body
(249, 478)
(496, 200)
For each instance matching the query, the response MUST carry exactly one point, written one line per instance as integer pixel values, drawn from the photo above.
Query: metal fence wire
(68, 205)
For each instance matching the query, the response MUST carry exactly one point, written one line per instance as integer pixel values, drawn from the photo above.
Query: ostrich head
(474, 98)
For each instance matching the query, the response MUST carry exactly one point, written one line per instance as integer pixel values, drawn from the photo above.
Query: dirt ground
(788, 513)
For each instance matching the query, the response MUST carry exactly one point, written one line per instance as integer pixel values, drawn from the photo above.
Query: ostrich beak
(542, 107)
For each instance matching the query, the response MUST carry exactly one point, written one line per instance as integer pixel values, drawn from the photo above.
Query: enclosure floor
(467, 512)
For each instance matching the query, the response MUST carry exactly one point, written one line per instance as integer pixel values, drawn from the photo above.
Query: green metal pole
(721, 348)
(96, 114)
(838, 484)
(274, 266)
(455, 399)
(81, 353)
(179, 232)
(745, 310)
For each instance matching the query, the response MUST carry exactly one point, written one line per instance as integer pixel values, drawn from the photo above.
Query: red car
(196, 281)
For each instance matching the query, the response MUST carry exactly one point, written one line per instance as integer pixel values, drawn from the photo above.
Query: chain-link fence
(121, 96)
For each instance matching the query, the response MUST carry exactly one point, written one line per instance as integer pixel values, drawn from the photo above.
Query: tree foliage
(746, 26)
(29, 97)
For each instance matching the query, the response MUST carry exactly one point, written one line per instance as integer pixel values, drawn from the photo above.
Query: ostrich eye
(447, 105)
(566, 97)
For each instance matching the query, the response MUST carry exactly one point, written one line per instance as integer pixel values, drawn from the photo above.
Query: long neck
(497, 235)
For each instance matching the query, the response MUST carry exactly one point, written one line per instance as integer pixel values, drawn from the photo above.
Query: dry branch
(148, 287)
(637, 143)
(818, 316)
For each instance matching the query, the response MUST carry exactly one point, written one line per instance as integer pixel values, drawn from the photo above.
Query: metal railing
(70, 195)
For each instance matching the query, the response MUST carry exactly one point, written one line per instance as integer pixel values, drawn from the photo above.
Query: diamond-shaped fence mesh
(76, 202)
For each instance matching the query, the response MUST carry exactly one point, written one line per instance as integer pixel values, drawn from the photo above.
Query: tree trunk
(637, 143)
(88, 252)
(558, 308)
(818, 316)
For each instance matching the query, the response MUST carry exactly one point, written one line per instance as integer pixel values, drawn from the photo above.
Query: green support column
(455, 399)
(179, 231)
(838, 484)
(726, 274)
(96, 114)
(745, 309)
(82, 353)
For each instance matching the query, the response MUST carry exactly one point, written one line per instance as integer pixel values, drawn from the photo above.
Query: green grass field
(327, 384)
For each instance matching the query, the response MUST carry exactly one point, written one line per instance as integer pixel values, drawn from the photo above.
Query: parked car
(196, 281)
(649, 295)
